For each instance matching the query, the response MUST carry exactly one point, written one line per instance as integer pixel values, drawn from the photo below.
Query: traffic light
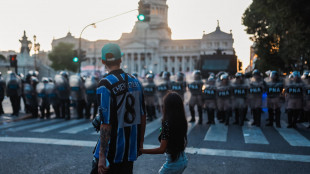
(77, 57)
(144, 12)
(13, 60)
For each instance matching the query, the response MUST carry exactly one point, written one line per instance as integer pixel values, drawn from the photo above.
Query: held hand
(140, 151)
(102, 169)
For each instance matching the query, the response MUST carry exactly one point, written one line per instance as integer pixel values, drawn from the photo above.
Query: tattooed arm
(105, 133)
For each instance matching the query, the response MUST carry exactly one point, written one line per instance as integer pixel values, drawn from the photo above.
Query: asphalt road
(59, 146)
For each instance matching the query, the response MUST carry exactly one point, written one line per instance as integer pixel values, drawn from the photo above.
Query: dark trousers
(45, 107)
(257, 112)
(192, 110)
(274, 115)
(119, 168)
(65, 108)
(1, 108)
(151, 113)
(15, 104)
(210, 115)
(88, 108)
(80, 105)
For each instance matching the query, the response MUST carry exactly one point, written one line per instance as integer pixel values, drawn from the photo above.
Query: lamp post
(36, 50)
(94, 25)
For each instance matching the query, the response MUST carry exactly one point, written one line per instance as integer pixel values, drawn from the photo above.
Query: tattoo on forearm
(105, 133)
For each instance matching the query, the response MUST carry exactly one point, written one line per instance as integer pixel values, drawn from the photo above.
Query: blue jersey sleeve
(104, 97)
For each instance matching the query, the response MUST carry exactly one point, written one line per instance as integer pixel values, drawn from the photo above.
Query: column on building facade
(176, 64)
(169, 67)
(139, 63)
(132, 62)
(183, 64)
(191, 63)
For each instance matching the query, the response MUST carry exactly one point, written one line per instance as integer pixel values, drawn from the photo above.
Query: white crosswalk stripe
(217, 132)
(12, 124)
(292, 136)
(39, 124)
(253, 134)
(56, 126)
(77, 129)
(192, 125)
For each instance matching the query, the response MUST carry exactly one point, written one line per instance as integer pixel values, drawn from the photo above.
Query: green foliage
(61, 57)
(281, 32)
(2, 57)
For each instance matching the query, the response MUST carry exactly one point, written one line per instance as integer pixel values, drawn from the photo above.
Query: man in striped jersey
(122, 112)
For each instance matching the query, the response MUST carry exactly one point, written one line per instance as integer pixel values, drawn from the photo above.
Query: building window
(172, 70)
(165, 59)
(216, 44)
(225, 44)
(180, 69)
(172, 59)
(180, 59)
(187, 69)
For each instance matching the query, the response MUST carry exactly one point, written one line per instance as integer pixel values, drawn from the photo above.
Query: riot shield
(13, 85)
(29, 94)
(41, 93)
(90, 87)
(62, 87)
(77, 88)
(52, 93)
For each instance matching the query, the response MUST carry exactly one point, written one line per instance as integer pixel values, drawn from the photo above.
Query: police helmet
(256, 72)
(150, 76)
(211, 79)
(50, 79)
(45, 80)
(305, 75)
(238, 75)
(180, 77)
(166, 76)
(274, 74)
(197, 75)
(34, 80)
(224, 76)
(296, 74)
(64, 74)
(135, 74)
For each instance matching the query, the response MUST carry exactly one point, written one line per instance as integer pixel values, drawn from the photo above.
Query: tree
(280, 31)
(61, 57)
(2, 57)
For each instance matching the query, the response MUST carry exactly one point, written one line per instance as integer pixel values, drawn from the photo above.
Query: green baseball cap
(113, 49)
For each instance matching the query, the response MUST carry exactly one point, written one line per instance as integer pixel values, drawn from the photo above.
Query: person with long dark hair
(173, 137)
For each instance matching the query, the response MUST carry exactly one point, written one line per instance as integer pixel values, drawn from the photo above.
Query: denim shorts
(175, 167)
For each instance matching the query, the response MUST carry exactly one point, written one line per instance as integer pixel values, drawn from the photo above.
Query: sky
(48, 19)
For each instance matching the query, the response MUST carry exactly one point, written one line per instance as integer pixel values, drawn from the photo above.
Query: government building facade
(149, 47)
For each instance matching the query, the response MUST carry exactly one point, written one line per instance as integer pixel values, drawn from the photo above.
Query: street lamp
(36, 50)
(94, 25)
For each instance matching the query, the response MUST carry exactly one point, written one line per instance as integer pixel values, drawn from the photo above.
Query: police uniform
(306, 92)
(78, 94)
(2, 92)
(274, 88)
(91, 84)
(63, 94)
(223, 94)
(294, 98)
(149, 91)
(240, 89)
(14, 91)
(163, 87)
(43, 90)
(195, 88)
(31, 96)
(209, 98)
(179, 86)
(255, 93)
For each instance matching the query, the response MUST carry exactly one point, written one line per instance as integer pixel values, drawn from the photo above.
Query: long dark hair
(173, 112)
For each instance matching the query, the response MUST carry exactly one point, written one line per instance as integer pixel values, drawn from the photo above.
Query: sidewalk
(5, 118)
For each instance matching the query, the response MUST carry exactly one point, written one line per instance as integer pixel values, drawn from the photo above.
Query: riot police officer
(195, 89)
(179, 85)
(274, 87)
(31, 96)
(78, 94)
(239, 88)
(306, 80)
(294, 98)
(2, 92)
(163, 87)
(149, 90)
(209, 97)
(256, 89)
(91, 84)
(63, 94)
(43, 91)
(13, 90)
(224, 93)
